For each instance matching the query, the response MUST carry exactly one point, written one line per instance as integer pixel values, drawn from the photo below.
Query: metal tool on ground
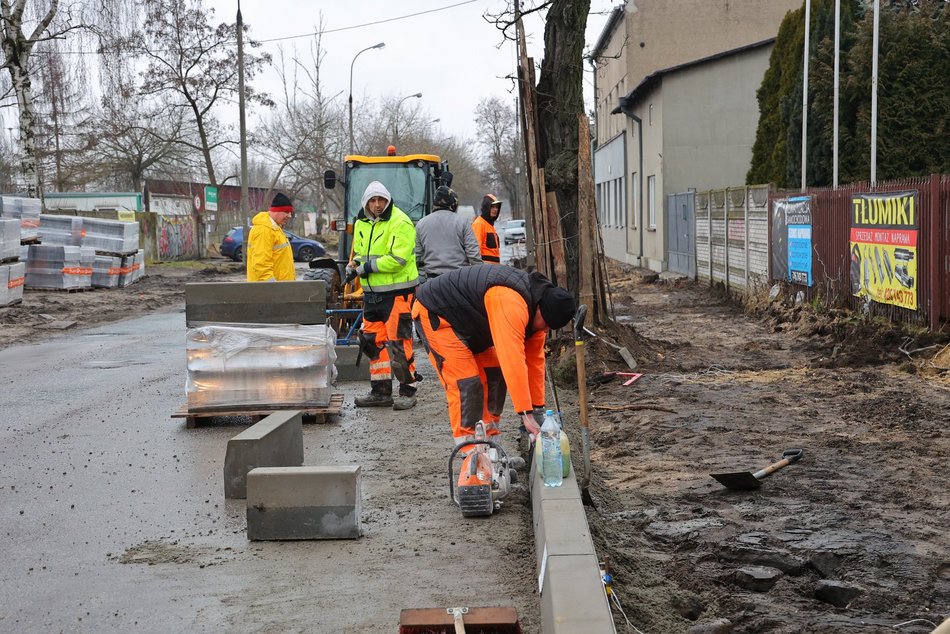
(490, 620)
(582, 401)
(747, 481)
(485, 477)
(621, 350)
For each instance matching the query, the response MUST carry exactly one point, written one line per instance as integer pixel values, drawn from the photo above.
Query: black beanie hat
(446, 198)
(557, 307)
(282, 203)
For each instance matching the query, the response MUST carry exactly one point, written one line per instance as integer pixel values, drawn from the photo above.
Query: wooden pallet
(318, 414)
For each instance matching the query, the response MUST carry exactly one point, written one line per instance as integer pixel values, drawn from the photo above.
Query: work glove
(351, 275)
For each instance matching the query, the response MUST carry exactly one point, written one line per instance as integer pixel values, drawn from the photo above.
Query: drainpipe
(640, 189)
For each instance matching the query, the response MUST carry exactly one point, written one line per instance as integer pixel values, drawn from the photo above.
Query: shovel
(747, 481)
(582, 401)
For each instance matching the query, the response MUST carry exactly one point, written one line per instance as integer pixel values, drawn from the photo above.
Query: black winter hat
(446, 198)
(282, 203)
(557, 307)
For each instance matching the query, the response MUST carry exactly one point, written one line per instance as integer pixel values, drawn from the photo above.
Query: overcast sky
(443, 48)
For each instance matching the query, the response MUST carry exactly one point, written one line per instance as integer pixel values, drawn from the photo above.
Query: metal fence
(831, 209)
(732, 236)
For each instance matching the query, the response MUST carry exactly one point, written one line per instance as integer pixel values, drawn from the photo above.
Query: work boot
(380, 395)
(403, 402)
(374, 400)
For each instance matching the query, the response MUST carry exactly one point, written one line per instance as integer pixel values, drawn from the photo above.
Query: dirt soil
(851, 538)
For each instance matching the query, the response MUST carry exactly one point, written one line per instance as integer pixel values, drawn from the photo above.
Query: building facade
(665, 120)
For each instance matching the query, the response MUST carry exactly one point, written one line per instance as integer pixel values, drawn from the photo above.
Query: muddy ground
(853, 538)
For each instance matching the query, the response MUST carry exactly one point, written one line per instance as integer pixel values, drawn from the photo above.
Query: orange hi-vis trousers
(386, 339)
(474, 386)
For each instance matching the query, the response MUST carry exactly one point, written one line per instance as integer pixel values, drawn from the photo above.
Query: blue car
(305, 249)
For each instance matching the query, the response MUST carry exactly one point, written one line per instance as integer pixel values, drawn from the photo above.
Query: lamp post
(418, 95)
(368, 48)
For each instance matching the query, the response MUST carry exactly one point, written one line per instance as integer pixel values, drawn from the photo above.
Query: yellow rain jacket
(269, 255)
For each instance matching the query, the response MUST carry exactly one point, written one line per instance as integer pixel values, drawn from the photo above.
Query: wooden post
(936, 272)
(556, 241)
(529, 123)
(585, 208)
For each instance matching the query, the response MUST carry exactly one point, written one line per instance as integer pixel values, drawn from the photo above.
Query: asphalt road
(113, 517)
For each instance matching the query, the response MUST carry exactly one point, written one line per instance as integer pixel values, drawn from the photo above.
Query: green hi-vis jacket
(386, 247)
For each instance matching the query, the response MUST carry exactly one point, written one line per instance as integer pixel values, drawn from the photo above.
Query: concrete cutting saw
(485, 477)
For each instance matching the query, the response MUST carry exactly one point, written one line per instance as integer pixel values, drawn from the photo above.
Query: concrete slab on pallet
(346, 368)
(275, 441)
(288, 503)
(298, 302)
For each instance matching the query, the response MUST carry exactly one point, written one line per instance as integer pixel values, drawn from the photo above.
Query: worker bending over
(484, 328)
(384, 241)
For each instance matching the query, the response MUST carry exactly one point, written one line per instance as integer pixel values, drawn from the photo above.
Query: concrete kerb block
(346, 368)
(573, 600)
(275, 441)
(572, 591)
(286, 503)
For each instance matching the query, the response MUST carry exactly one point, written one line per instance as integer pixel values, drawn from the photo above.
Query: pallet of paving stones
(75, 289)
(312, 413)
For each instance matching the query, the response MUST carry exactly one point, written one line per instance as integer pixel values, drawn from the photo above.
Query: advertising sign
(791, 240)
(883, 247)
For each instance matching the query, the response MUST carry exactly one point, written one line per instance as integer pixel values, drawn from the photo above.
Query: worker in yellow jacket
(269, 254)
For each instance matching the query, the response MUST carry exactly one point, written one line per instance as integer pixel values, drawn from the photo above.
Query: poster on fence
(791, 240)
(883, 248)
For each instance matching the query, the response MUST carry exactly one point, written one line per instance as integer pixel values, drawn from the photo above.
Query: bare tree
(499, 135)
(195, 65)
(17, 47)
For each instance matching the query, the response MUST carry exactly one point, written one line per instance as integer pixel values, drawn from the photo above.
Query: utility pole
(245, 198)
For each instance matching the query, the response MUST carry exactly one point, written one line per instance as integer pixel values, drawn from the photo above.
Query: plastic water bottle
(551, 459)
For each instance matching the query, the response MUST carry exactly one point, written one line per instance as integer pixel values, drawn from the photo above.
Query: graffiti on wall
(176, 237)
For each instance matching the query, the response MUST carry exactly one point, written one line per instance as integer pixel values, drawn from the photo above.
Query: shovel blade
(741, 481)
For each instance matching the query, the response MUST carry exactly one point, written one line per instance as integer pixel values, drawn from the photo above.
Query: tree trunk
(24, 95)
(560, 100)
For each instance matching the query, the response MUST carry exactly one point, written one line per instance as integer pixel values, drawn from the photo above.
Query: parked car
(514, 231)
(305, 249)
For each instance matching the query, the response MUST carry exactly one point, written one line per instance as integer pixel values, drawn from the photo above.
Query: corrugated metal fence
(831, 226)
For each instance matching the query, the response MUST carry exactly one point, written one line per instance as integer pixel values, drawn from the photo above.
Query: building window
(651, 114)
(651, 202)
(599, 202)
(634, 199)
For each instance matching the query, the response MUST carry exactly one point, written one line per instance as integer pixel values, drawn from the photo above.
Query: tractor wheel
(330, 277)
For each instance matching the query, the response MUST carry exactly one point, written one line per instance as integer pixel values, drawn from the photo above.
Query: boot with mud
(406, 398)
(380, 395)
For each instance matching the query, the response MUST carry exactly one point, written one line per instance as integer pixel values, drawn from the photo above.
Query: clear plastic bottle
(551, 458)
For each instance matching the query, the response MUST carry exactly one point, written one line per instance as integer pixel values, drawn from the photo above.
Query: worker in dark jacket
(484, 328)
(444, 241)
(484, 228)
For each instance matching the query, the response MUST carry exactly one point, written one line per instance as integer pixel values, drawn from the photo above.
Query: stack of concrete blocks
(286, 500)
(9, 239)
(61, 230)
(133, 267)
(113, 237)
(249, 365)
(106, 271)
(26, 211)
(12, 277)
(58, 267)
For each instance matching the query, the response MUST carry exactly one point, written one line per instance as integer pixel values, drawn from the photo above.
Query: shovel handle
(789, 456)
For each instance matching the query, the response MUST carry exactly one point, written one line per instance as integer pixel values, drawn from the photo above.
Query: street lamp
(418, 95)
(368, 48)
